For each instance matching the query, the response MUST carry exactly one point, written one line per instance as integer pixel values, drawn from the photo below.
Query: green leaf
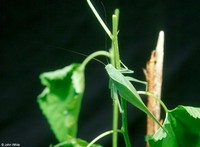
(60, 101)
(183, 129)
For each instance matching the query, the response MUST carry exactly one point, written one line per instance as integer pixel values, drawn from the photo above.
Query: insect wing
(125, 88)
(127, 91)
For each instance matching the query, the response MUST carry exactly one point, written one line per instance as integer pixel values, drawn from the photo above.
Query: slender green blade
(60, 101)
(183, 127)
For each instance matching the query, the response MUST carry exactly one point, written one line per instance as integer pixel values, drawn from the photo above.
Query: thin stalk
(115, 39)
(61, 144)
(93, 55)
(155, 97)
(117, 65)
(115, 121)
(124, 123)
(101, 136)
(93, 141)
(99, 19)
(115, 61)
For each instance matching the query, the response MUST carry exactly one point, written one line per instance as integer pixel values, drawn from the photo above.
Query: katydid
(126, 90)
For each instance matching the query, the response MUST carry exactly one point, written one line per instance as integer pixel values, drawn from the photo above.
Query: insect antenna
(76, 52)
(105, 34)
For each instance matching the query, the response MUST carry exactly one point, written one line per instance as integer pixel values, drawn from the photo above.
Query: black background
(32, 34)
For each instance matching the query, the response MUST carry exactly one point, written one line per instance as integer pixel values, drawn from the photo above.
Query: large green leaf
(183, 129)
(60, 101)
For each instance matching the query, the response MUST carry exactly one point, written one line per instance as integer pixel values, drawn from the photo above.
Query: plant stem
(124, 123)
(61, 144)
(99, 19)
(155, 97)
(117, 65)
(102, 135)
(115, 121)
(115, 18)
(93, 55)
(153, 73)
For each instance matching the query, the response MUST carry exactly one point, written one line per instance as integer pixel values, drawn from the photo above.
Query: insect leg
(138, 81)
(125, 69)
(114, 95)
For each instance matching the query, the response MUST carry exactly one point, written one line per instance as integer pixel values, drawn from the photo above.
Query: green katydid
(126, 90)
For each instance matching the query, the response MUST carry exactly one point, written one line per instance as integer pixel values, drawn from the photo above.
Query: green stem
(102, 135)
(155, 97)
(99, 19)
(115, 61)
(117, 65)
(115, 121)
(93, 55)
(124, 123)
(62, 143)
(115, 39)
